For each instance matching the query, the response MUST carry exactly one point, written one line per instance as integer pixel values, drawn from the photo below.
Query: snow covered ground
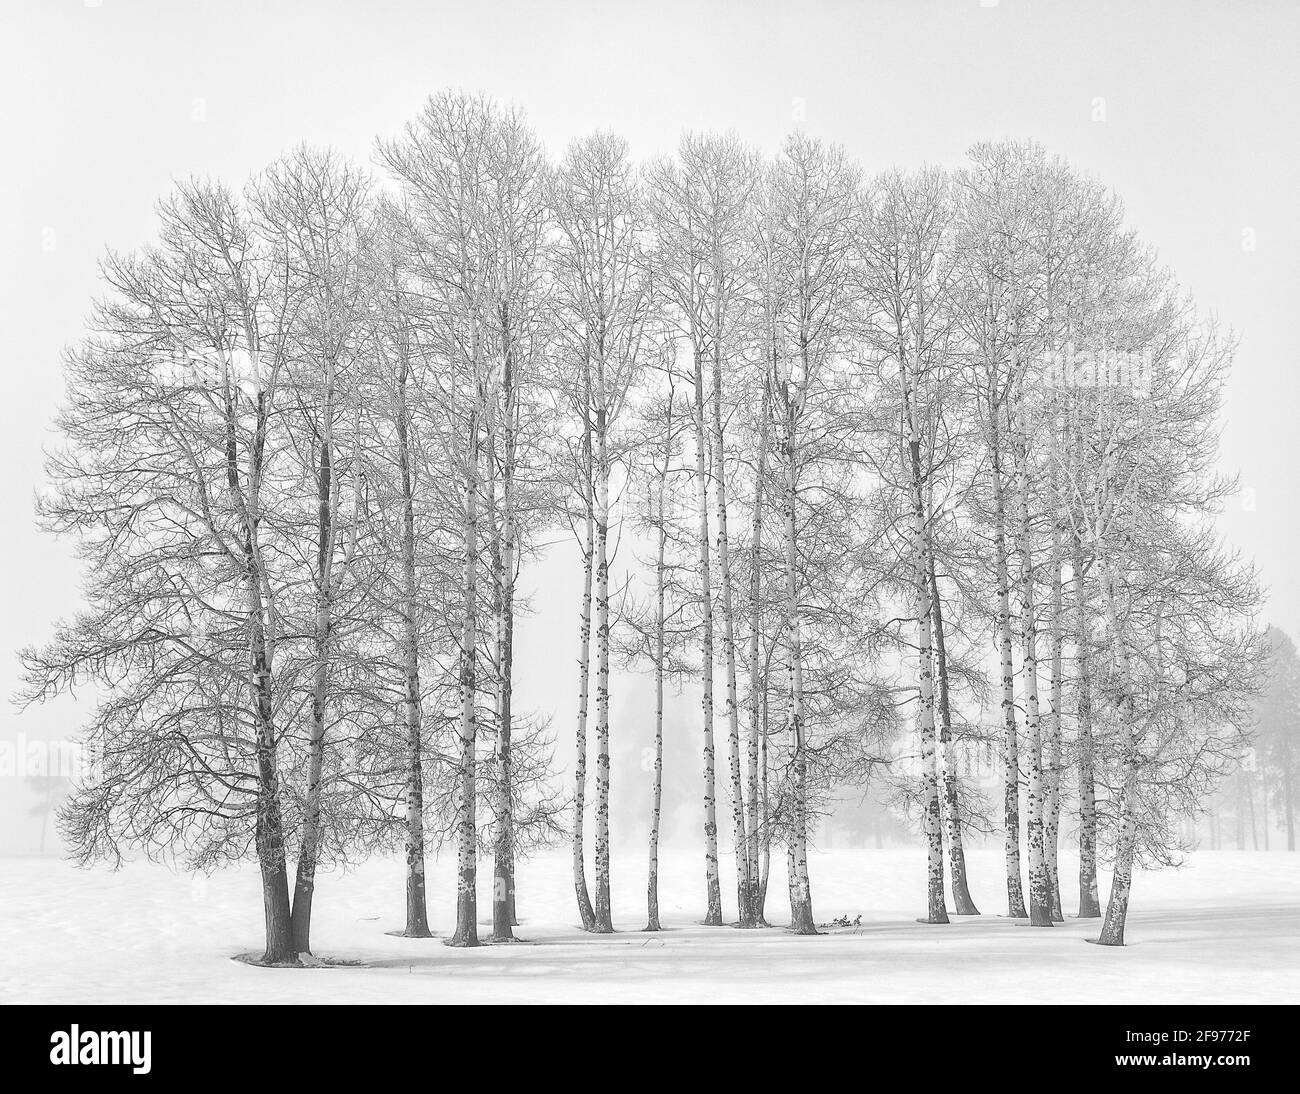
(1226, 928)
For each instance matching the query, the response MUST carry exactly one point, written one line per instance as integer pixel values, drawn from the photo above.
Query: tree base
(961, 898)
(302, 961)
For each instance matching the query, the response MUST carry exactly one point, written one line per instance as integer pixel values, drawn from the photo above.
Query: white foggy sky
(104, 105)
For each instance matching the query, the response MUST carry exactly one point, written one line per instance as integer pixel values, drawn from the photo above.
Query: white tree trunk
(801, 910)
(466, 932)
(1040, 901)
(729, 650)
(1052, 737)
(1089, 897)
(417, 916)
(503, 875)
(757, 677)
(931, 817)
(1112, 929)
(1010, 743)
(656, 795)
(950, 801)
(713, 881)
(604, 912)
(585, 909)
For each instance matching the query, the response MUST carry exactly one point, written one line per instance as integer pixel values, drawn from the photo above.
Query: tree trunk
(738, 828)
(1289, 806)
(1250, 804)
(585, 910)
(657, 791)
(269, 837)
(757, 678)
(503, 880)
(801, 910)
(1010, 753)
(1052, 743)
(931, 819)
(713, 881)
(1040, 901)
(1112, 929)
(417, 913)
(792, 886)
(765, 831)
(1089, 898)
(268, 824)
(466, 933)
(604, 910)
(309, 847)
(951, 802)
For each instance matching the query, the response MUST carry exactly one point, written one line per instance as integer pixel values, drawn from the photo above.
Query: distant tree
(50, 790)
(1278, 714)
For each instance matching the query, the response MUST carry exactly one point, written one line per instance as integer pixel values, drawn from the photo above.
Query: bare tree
(163, 481)
(809, 199)
(604, 302)
(701, 208)
(1279, 721)
(449, 163)
(312, 206)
